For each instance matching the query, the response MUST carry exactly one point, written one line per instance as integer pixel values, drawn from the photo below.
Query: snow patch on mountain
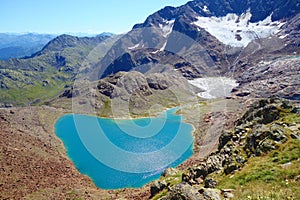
(163, 47)
(155, 52)
(283, 36)
(214, 87)
(238, 31)
(134, 47)
(167, 27)
(205, 9)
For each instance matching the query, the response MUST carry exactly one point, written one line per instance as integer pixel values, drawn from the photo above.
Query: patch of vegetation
(23, 87)
(275, 175)
(160, 195)
(168, 180)
(258, 159)
(106, 111)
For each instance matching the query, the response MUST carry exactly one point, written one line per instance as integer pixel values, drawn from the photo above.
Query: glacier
(238, 31)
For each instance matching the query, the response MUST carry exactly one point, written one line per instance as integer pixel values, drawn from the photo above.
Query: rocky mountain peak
(64, 41)
(220, 29)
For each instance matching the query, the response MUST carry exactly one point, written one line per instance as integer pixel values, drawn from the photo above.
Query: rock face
(126, 84)
(188, 192)
(69, 93)
(156, 187)
(173, 39)
(250, 134)
(256, 133)
(279, 77)
(131, 93)
(158, 81)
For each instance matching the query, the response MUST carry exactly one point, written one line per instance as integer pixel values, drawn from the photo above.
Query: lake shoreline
(170, 115)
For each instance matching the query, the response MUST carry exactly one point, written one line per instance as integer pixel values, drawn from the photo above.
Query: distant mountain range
(14, 45)
(21, 45)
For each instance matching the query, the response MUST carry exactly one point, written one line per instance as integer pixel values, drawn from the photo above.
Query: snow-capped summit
(207, 36)
(238, 31)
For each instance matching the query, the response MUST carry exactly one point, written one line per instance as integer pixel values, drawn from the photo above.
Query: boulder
(156, 187)
(295, 137)
(210, 194)
(183, 191)
(210, 183)
(224, 138)
(69, 93)
(194, 173)
(243, 94)
(158, 81)
(296, 110)
(170, 172)
(228, 169)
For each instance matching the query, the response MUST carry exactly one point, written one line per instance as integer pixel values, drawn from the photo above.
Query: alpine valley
(230, 67)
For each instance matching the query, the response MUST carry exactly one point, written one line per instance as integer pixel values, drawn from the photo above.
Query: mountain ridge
(21, 45)
(45, 73)
(173, 30)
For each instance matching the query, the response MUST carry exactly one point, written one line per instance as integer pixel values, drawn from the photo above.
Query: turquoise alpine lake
(125, 153)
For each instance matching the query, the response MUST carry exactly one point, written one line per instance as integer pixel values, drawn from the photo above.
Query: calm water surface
(125, 153)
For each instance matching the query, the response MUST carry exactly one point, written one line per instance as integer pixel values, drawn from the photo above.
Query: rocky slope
(200, 38)
(128, 93)
(277, 77)
(267, 125)
(34, 164)
(185, 38)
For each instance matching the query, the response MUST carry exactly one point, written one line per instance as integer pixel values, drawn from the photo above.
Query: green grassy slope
(46, 74)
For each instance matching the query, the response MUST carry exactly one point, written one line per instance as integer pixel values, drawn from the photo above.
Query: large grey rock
(156, 187)
(210, 183)
(211, 194)
(183, 191)
(134, 82)
(159, 81)
(108, 89)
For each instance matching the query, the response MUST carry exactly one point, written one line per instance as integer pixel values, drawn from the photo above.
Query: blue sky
(73, 16)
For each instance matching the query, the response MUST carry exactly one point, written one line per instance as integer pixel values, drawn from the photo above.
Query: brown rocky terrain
(33, 161)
